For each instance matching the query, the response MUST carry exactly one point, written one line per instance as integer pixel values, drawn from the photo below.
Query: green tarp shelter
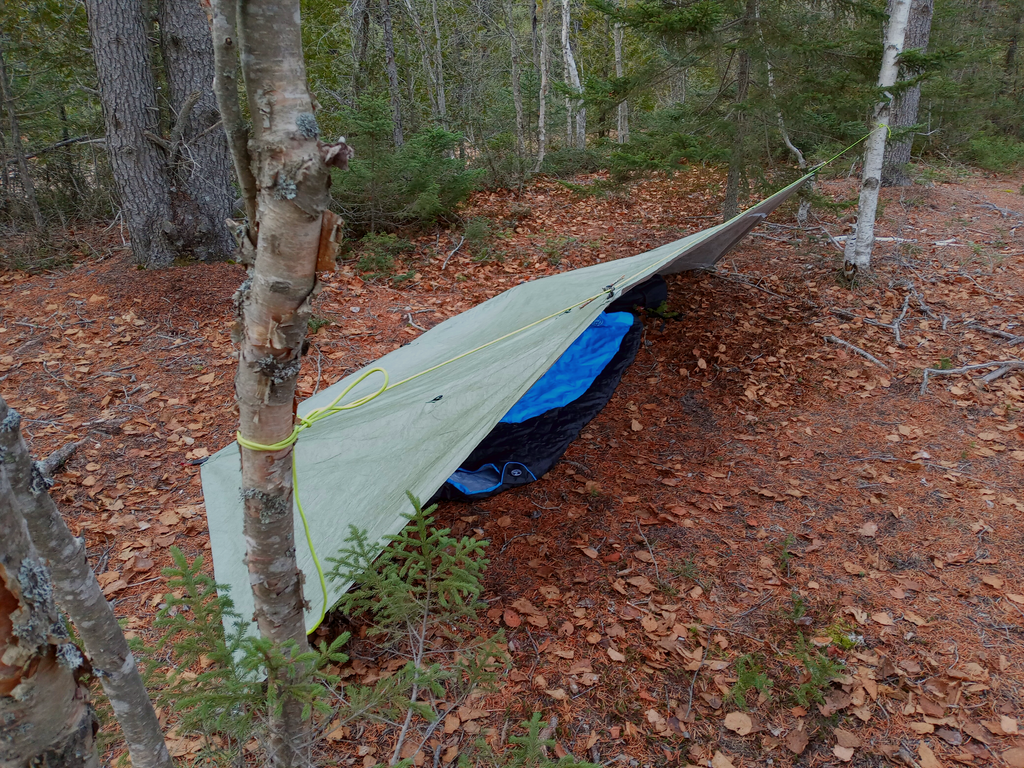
(355, 467)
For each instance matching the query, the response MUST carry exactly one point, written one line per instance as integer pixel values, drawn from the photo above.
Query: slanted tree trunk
(572, 76)
(737, 158)
(199, 165)
(622, 127)
(860, 244)
(45, 715)
(1010, 67)
(545, 55)
(905, 104)
(77, 591)
(533, 37)
(394, 88)
(120, 47)
(442, 104)
(275, 306)
(27, 184)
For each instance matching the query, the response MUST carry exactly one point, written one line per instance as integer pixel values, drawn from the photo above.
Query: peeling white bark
(858, 249)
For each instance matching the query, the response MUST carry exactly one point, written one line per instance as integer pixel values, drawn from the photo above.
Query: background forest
(439, 97)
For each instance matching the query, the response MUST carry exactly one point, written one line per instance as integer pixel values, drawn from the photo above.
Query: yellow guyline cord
(319, 414)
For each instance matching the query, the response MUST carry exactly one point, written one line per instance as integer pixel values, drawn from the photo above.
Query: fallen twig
(654, 560)
(1004, 212)
(1005, 366)
(693, 681)
(1011, 338)
(413, 323)
(982, 288)
(997, 374)
(832, 240)
(454, 251)
(58, 458)
(858, 350)
(880, 239)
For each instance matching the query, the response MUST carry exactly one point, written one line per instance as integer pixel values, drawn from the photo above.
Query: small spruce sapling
(531, 750)
(750, 675)
(228, 695)
(424, 584)
(822, 671)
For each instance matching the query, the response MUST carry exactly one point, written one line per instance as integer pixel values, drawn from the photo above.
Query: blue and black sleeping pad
(538, 429)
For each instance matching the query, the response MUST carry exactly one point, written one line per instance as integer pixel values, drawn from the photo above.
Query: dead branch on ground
(858, 350)
(1004, 367)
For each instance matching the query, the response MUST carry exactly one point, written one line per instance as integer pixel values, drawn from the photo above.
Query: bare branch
(58, 458)
(1004, 366)
(58, 145)
(179, 125)
(1011, 338)
(456, 249)
(858, 350)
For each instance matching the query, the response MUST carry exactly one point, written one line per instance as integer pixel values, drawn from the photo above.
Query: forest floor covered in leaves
(756, 503)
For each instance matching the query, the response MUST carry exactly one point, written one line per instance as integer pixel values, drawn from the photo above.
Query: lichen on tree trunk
(77, 591)
(274, 307)
(45, 715)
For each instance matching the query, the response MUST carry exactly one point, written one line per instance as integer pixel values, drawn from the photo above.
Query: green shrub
(418, 183)
(227, 696)
(996, 153)
(376, 253)
(571, 161)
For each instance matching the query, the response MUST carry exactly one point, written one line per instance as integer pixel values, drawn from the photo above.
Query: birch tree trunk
(572, 76)
(27, 184)
(545, 55)
(622, 129)
(905, 104)
(274, 307)
(860, 244)
(394, 88)
(442, 104)
(120, 48)
(45, 715)
(200, 165)
(77, 591)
